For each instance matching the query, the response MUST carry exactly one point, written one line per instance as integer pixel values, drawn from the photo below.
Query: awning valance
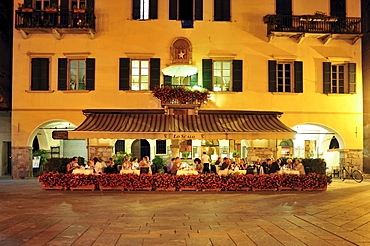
(207, 124)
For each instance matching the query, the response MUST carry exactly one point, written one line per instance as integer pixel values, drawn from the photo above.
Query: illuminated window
(77, 75)
(78, 4)
(144, 9)
(221, 75)
(140, 75)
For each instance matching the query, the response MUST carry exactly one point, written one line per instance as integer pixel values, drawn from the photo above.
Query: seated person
(72, 165)
(298, 166)
(198, 165)
(112, 167)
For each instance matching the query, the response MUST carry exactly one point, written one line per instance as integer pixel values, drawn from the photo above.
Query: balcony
(324, 28)
(78, 21)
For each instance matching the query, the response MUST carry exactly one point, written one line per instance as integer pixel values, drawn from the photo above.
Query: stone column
(351, 156)
(175, 148)
(21, 162)
(103, 152)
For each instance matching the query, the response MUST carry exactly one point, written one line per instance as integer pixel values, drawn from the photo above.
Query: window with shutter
(40, 74)
(222, 10)
(186, 10)
(285, 76)
(76, 74)
(144, 9)
(339, 78)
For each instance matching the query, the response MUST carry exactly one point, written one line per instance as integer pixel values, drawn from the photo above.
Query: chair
(335, 171)
(144, 170)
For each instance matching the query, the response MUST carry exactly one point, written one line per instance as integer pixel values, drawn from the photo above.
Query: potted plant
(80, 10)
(24, 8)
(236, 154)
(181, 95)
(185, 154)
(52, 9)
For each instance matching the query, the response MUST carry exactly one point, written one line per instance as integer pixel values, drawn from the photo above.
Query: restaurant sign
(60, 134)
(184, 136)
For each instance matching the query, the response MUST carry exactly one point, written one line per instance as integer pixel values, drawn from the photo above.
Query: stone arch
(181, 51)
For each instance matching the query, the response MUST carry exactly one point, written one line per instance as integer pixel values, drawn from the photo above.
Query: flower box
(102, 188)
(26, 10)
(211, 189)
(147, 188)
(315, 189)
(51, 10)
(79, 11)
(270, 189)
(289, 188)
(83, 187)
(166, 189)
(188, 188)
(56, 187)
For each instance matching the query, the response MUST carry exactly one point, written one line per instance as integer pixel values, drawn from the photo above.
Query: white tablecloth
(288, 172)
(130, 171)
(186, 172)
(238, 172)
(83, 171)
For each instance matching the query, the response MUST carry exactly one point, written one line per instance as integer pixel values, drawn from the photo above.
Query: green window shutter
(298, 77)
(173, 10)
(153, 9)
(237, 76)
(272, 76)
(62, 74)
(40, 74)
(327, 77)
(124, 73)
(352, 77)
(222, 10)
(167, 80)
(155, 72)
(207, 74)
(194, 80)
(198, 10)
(90, 74)
(136, 9)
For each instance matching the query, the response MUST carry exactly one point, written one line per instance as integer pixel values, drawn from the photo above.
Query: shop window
(223, 75)
(285, 76)
(161, 147)
(144, 9)
(187, 10)
(339, 78)
(222, 10)
(40, 74)
(76, 74)
(137, 74)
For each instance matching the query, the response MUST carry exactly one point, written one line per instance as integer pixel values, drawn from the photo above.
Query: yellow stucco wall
(244, 36)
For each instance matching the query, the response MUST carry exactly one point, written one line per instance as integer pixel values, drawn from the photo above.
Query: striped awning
(206, 125)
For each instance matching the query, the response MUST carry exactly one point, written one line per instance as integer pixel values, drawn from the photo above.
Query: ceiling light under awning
(180, 70)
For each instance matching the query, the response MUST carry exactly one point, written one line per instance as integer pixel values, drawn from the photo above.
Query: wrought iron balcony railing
(313, 24)
(55, 19)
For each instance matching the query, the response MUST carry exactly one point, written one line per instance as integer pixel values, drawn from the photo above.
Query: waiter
(205, 160)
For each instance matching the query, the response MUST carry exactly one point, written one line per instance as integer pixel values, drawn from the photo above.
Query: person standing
(205, 161)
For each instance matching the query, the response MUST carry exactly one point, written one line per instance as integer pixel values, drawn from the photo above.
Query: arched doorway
(315, 140)
(140, 148)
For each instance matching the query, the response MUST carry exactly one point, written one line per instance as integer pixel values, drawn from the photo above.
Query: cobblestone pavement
(32, 216)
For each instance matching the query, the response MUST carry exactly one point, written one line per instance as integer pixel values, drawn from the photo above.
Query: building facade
(301, 58)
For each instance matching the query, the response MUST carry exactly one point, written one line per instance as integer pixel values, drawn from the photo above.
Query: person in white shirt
(98, 166)
(205, 161)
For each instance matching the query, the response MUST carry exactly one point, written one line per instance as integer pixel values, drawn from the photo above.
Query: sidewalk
(32, 216)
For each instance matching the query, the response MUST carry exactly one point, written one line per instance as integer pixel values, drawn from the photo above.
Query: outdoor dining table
(283, 171)
(130, 171)
(187, 172)
(83, 171)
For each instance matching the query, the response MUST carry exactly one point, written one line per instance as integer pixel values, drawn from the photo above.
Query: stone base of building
(21, 162)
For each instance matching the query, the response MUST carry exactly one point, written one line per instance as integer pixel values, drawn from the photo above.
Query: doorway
(140, 148)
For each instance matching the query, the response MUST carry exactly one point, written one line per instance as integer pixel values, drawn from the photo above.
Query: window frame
(344, 80)
(77, 75)
(296, 74)
(291, 73)
(230, 86)
(225, 14)
(197, 11)
(144, 9)
(140, 75)
(40, 71)
(349, 74)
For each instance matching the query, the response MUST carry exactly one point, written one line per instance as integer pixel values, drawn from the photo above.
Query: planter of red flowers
(82, 182)
(52, 181)
(110, 182)
(181, 95)
(164, 182)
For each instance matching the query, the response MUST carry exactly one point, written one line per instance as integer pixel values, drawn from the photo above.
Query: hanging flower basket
(181, 95)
